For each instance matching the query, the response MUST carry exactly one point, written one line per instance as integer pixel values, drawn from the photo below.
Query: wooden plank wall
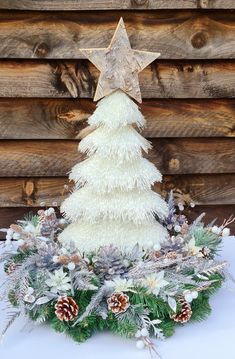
(46, 89)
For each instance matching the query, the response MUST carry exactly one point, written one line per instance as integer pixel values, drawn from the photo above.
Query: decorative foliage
(135, 292)
(58, 281)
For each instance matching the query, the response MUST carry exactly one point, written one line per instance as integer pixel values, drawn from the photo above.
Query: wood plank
(11, 215)
(216, 189)
(171, 156)
(44, 118)
(163, 79)
(189, 118)
(114, 4)
(34, 192)
(66, 118)
(175, 34)
(51, 191)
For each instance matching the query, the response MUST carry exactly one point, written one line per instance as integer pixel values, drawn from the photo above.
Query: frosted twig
(95, 301)
(11, 318)
(230, 220)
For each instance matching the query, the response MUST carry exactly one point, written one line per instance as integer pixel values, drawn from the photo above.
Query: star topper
(119, 65)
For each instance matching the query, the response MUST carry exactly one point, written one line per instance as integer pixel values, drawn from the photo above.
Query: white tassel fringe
(123, 144)
(104, 175)
(136, 206)
(89, 237)
(116, 110)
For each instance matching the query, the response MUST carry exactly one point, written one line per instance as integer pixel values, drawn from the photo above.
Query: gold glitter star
(119, 65)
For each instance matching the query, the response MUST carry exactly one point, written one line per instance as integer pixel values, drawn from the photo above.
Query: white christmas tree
(113, 202)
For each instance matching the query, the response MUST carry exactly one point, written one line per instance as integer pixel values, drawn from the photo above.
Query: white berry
(71, 266)
(177, 228)
(181, 206)
(216, 229)
(138, 334)
(16, 236)
(20, 242)
(50, 211)
(226, 232)
(28, 228)
(55, 259)
(140, 344)
(157, 247)
(144, 332)
(126, 263)
(188, 297)
(63, 251)
(62, 221)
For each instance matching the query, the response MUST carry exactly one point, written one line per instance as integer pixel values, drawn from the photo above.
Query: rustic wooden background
(46, 88)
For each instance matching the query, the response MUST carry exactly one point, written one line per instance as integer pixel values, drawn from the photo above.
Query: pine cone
(9, 269)
(171, 255)
(174, 244)
(118, 302)
(109, 262)
(185, 313)
(66, 309)
(48, 222)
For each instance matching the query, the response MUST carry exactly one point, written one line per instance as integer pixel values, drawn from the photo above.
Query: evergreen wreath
(141, 292)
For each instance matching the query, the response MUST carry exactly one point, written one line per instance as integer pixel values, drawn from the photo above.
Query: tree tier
(134, 206)
(105, 175)
(116, 110)
(89, 237)
(123, 144)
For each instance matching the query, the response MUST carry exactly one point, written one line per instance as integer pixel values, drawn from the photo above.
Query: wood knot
(68, 78)
(140, 2)
(28, 192)
(203, 4)
(199, 40)
(41, 49)
(190, 68)
(174, 164)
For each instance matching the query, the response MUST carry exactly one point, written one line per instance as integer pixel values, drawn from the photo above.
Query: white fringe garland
(122, 144)
(136, 206)
(104, 175)
(89, 237)
(116, 110)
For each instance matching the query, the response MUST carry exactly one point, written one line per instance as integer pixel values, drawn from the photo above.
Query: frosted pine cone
(185, 313)
(109, 262)
(48, 222)
(10, 268)
(118, 302)
(171, 255)
(66, 309)
(174, 244)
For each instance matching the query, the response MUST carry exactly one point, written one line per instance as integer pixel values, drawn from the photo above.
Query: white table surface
(213, 338)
